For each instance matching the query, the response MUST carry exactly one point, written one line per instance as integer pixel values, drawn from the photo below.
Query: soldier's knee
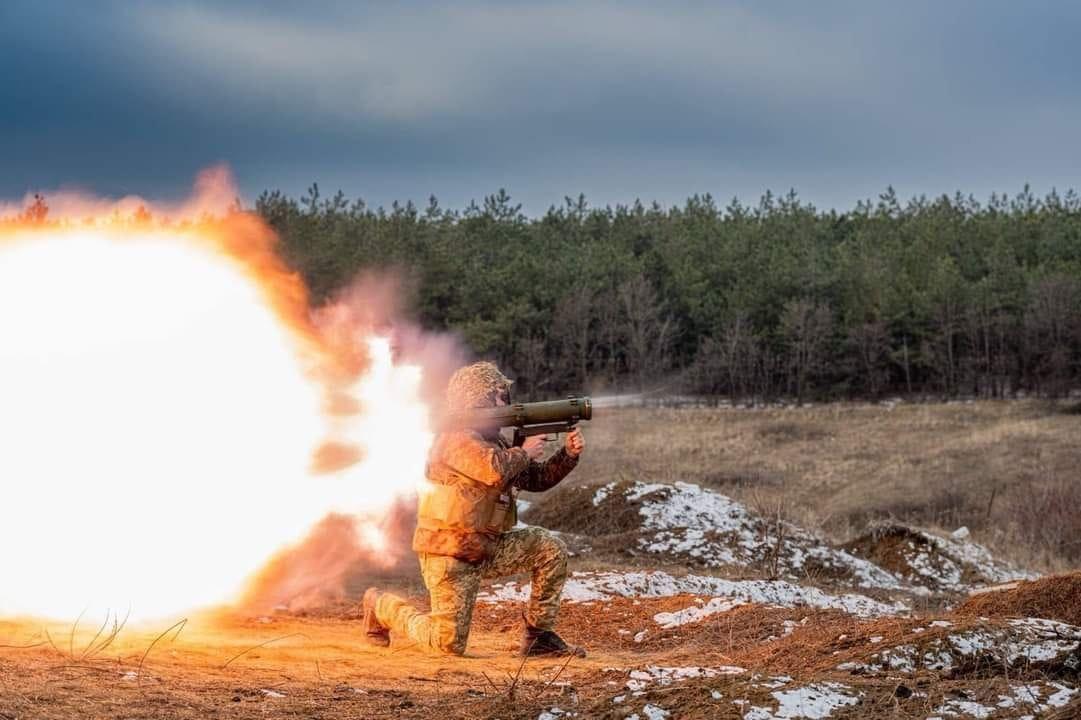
(555, 550)
(448, 638)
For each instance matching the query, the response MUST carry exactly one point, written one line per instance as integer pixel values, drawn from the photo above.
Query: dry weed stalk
(263, 644)
(180, 625)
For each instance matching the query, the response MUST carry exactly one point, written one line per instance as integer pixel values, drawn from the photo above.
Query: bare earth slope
(844, 638)
(697, 595)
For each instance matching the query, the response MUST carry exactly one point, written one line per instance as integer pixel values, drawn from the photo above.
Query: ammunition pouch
(454, 501)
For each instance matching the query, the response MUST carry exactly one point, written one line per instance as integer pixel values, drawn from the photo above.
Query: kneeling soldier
(465, 522)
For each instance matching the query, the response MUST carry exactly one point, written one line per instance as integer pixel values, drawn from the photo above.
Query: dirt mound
(929, 561)
(1056, 597)
(687, 524)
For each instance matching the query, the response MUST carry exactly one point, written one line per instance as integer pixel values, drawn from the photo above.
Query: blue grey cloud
(616, 100)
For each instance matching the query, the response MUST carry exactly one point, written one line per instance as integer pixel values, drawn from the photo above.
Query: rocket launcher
(536, 418)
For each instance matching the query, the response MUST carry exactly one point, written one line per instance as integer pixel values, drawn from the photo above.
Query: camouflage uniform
(453, 583)
(454, 560)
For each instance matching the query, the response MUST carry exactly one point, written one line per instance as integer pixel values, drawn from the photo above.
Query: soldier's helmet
(475, 386)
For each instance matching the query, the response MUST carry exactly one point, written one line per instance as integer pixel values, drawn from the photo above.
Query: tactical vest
(452, 500)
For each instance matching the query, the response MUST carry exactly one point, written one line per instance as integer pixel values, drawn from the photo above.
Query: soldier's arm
(538, 477)
(468, 453)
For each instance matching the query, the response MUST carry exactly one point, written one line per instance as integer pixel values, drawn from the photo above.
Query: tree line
(945, 296)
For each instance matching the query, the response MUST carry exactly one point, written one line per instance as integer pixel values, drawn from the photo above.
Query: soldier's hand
(575, 442)
(534, 446)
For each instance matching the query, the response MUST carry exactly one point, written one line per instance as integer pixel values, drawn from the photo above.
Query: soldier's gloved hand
(534, 446)
(575, 443)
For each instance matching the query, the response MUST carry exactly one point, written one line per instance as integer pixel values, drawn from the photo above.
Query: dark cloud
(616, 100)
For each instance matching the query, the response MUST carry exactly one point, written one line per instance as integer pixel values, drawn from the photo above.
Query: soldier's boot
(546, 642)
(375, 633)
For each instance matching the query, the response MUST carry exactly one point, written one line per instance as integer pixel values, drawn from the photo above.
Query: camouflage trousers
(452, 585)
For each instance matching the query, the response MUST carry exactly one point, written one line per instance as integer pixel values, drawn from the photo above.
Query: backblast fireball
(163, 393)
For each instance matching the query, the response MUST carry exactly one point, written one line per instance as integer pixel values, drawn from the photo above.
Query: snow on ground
(696, 612)
(686, 520)
(817, 700)
(953, 563)
(813, 701)
(590, 586)
(602, 493)
(1021, 643)
(651, 712)
(556, 713)
(1028, 698)
(640, 679)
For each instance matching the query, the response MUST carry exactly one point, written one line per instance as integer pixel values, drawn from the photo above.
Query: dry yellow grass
(1007, 470)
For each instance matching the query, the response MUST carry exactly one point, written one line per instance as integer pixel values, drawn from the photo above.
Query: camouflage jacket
(494, 469)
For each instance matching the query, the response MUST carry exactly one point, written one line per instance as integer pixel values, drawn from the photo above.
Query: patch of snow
(717, 605)
(639, 679)
(757, 713)
(640, 636)
(690, 521)
(942, 563)
(817, 700)
(715, 694)
(593, 586)
(941, 624)
(1022, 641)
(965, 707)
(653, 712)
(854, 667)
(273, 693)
(960, 533)
(813, 702)
(1058, 695)
(1061, 696)
(602, 493)
(776, 681)
(791, 625)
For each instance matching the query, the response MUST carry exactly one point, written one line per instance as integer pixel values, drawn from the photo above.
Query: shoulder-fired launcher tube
(565, 413)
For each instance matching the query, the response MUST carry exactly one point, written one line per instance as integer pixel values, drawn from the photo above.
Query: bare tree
(573, 331)
(647, 329)
(806, 327)
(728, 360)
(531, 362)
(871, 344)
(1049, 326)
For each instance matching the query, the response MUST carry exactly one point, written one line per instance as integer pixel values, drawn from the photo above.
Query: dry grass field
(1010, 471)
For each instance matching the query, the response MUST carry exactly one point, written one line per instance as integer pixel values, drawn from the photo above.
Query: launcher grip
(522, 432)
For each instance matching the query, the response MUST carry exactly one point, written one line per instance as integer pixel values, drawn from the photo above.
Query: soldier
(464, 529)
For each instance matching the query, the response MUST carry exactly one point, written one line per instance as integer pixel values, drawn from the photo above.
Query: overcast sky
(616, 100)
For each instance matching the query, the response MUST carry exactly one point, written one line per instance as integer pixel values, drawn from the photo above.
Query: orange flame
(164, 398)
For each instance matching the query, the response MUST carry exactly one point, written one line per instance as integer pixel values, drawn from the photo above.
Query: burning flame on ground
(163, 391)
